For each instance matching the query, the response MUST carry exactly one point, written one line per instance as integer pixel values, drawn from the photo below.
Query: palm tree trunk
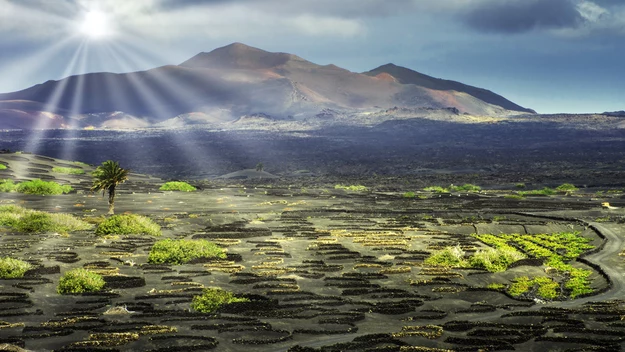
(112, 200)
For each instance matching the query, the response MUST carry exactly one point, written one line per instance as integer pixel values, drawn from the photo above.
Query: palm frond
(108, 174)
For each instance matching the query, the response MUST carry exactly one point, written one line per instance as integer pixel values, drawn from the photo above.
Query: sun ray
(50, 106)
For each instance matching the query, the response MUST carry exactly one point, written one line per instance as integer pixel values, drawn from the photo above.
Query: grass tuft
(42, 188)
(177, 186)
(7, 185)
(182, 251)
(213, 298)
(11, 268)
(353, 188)
(128, 224)
(450, 257)
(79, 281)
(68, 170)
(34, 221)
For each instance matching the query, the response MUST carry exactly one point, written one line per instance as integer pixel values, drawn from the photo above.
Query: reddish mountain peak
(239, 56)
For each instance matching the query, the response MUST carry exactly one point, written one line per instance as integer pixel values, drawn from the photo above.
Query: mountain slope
(407, 76)
(230, 82)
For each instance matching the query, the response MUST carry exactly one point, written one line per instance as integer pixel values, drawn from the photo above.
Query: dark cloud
(516, 16)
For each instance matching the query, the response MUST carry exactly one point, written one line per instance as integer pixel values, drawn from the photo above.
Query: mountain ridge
(238, 80)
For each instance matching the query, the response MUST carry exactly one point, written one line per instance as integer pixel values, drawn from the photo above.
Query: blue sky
(549, 55)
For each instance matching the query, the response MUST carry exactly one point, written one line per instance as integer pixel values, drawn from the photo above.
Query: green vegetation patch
(495, 259)
(467, 187)
(566, 188)
(177, 186)
(409, 195)
(128, 224)
(11, 268)
(543, 287)
(450, 257)
(538, 192)
(79, 281)
(3, 167)
(7, 185)
(68, 170)
(34, 221)
(213, 298)
(182, 251)
(436, 189)
(354, 188)
(557, 250)
(42, 188)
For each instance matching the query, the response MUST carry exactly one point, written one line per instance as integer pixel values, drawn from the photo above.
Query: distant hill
(407, 76)
(230, 82)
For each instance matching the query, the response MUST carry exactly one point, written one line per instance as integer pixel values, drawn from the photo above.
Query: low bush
(11, 268)
(68, 170)
(467, 187)
(409, 195)
(541, 192)
(354, 188)
(177, 186)
(128, 224)
(436, 189)
(7, 185)
(34, 221)
(520, 185)
(80, 280)
(42, 188)
(450, 257)
(495, 259)
(182, 251)
(213, 298)
(3, 167)
(566, 188)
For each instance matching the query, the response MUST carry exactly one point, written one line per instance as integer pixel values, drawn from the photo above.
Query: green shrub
(544, 287)
(495, 259)
(34, 221)
(42, 188)
(354, 188)
(128, 224)
(544, 192)
(3, 167)
(213, 298)
(177, 186)
(566, 188)
(80, 280)
(68, 170)
(409, 195)
(436, 189)
(182, 251)
(467, 187)
(13, 268)
(450, 257)
(7, 185)
(520, 185)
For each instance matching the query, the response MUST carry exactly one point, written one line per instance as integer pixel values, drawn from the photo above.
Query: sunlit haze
(96, 25)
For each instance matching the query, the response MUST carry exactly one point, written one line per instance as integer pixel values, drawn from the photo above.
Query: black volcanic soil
(419, 151)
(325, 270)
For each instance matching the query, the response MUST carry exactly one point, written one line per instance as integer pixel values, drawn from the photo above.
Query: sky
(554, 56)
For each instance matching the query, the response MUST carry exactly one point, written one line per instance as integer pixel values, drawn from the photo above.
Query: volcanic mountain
(230, 82)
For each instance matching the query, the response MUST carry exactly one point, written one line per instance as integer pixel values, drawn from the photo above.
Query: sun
(96, 25)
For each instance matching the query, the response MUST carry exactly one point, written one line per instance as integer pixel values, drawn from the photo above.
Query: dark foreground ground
(325, 269)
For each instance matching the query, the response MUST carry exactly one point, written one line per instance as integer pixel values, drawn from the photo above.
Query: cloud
(516, 16)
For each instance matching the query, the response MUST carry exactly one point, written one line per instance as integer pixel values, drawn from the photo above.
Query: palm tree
(260, 167)
(106, 177)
